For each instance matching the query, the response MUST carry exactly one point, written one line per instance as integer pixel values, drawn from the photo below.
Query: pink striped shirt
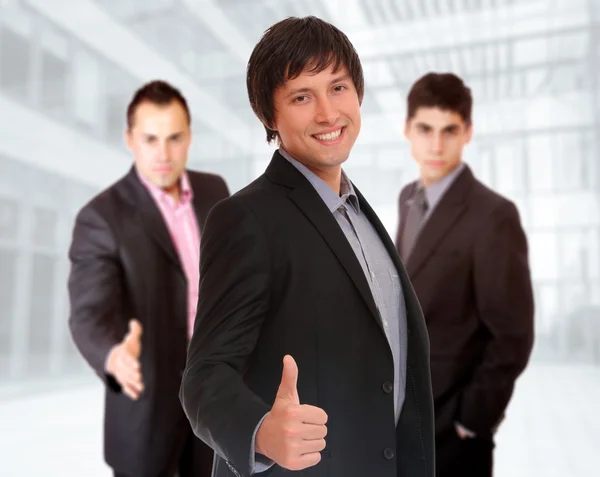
(181, 222)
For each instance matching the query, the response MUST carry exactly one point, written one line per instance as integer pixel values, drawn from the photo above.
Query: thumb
(289, 380)
(134, 334)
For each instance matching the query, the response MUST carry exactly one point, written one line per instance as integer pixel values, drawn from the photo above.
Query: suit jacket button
(387, 387)
(388, 453)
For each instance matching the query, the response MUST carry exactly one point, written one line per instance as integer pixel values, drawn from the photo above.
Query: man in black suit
(297, 269)
(134, 265)
(466, 255)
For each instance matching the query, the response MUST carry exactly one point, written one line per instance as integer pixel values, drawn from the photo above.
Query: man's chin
(334, 160)
(432, 176)
(165, 184)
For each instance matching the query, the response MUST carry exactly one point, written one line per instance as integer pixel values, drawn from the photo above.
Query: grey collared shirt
(436, 191)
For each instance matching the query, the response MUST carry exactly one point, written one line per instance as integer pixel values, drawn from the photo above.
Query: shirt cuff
(258, 462)
(467, 432)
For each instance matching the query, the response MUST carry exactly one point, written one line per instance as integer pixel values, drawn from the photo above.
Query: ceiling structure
(505, 50)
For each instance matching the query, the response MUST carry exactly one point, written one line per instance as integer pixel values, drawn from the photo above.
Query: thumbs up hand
(292, 434)
(123, 361)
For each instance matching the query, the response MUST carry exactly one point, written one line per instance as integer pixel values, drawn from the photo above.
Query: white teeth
(329, 136)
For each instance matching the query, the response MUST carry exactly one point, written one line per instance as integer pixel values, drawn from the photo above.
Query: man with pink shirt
(133, 289)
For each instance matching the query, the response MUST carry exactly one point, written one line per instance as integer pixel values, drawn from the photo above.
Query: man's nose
(326, 112)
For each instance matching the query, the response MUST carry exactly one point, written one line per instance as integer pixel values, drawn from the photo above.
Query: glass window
(575, 321)
(544, 211)
(15, 62)
(530, 51)
(115, 118)
(9, 219)
(568, 45)
(40, 310)
(54, 71)
(576, 209)
(509, 167)
(44, 228)
(479, 156)
(573, 254)
(569, 160)
(546, 304)
(543, 254)
(8, 259)
(589, 152)
(592, 263)
(540, 157)
(86, 90)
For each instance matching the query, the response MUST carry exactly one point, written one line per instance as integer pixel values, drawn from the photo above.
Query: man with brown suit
(467, 256)
(135, 264)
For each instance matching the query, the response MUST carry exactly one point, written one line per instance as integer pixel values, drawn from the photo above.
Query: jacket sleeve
(95, 287)
(504, 300)
(232, 304)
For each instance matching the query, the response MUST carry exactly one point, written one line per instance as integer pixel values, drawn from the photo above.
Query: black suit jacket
(124, 265)
(279, 277)
(469, 267)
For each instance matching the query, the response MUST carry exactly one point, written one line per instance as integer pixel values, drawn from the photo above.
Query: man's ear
(469, 133)
(128, 139)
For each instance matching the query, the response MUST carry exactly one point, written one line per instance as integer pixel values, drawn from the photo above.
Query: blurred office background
(69, 67)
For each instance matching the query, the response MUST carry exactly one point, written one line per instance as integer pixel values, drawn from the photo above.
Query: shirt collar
(186, 193)
(332, 201)
(435, 191)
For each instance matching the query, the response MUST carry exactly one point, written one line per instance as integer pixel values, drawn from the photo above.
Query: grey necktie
(417, 208)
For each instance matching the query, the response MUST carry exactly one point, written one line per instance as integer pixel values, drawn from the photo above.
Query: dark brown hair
(445, 91)
(290, 47)
(157, 92)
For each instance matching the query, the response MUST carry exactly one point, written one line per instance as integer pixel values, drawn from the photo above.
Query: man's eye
(300, 99)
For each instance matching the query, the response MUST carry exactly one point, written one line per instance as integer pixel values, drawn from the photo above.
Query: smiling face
(437, 138)
(317, 118)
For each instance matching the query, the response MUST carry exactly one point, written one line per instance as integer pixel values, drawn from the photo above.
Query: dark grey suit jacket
(124, 265)
(279, 277)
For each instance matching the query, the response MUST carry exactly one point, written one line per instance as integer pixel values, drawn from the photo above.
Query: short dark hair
(157, 92)
(445, 91)
(285, 50)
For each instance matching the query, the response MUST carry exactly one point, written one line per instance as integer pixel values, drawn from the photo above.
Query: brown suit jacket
(470, 270)
(124, 265)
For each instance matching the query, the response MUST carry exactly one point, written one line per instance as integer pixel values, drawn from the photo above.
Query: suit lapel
(149, 216)
(445, 215)
(204, 197)
(403, 212)
(308, 201)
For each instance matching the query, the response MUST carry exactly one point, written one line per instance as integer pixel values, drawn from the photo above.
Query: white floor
(552, 428)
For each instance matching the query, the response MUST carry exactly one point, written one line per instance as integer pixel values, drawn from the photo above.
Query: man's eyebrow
(337, 79)
(296, 91)
(450, 128)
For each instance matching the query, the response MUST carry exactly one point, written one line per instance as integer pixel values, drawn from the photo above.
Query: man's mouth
(330, 136)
